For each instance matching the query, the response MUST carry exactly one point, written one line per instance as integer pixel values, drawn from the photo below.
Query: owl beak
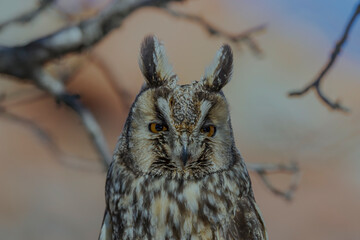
(184, 155)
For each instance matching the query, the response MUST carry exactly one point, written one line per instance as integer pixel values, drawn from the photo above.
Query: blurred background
(43, 196)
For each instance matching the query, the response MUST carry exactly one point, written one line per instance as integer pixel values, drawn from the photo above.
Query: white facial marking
(164, 108)
(204, 108)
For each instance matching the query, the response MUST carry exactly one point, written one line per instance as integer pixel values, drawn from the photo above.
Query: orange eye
(210, 130)
(156, 127)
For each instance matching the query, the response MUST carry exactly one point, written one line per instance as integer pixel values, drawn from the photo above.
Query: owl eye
(157, 127)
(209, 130)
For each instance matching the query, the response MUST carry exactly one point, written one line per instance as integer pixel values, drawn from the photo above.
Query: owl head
(178, 131)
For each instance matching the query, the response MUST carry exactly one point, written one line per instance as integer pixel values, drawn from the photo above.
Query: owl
(176, 172)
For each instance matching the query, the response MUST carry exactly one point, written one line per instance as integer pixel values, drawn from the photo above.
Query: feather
(219, 72)
(106, 228)
(154, 63)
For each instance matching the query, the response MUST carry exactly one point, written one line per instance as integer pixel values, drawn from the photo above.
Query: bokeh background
(42, 197)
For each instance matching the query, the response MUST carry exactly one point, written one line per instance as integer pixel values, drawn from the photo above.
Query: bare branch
(39, 132)
(28, 16)
(70, 39)
(47, 140)
(2, 96)
(57, 89)
(123, 96)
(25, 101)
(335, 53)
(246, 36)
(64, 74)
(264, 169)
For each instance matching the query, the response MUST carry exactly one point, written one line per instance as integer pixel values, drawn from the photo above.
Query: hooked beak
(184, 155)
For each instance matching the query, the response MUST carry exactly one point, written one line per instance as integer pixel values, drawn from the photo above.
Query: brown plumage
(177, 173)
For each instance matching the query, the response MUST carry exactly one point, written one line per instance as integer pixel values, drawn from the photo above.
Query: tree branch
(57, 89)
(335, 53)
(246, 36)
(264, 169)
(47, 140)
(40, 133)
(123, 96)
(70, 39)
(28, 16)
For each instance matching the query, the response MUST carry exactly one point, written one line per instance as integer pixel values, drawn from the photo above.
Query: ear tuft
(154, 64)
(218, 73)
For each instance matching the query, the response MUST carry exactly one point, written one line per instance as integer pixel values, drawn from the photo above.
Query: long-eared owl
(176, 172)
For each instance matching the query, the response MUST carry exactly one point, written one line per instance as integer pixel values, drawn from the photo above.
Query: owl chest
(166, 210)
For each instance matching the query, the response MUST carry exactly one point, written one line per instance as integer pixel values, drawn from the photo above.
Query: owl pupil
(159, 127)
(210, 130)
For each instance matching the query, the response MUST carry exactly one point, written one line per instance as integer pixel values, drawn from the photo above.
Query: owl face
(180, 131)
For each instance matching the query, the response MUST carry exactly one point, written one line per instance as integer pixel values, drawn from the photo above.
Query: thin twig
(65, 75)
(28, 16)
(71, 39)
(48, 141)
(335, 53)
(246, 36)
(38, 131)
(264, 169)
(57, 89)
(29, 100)
(123, 95)
(2, 96)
